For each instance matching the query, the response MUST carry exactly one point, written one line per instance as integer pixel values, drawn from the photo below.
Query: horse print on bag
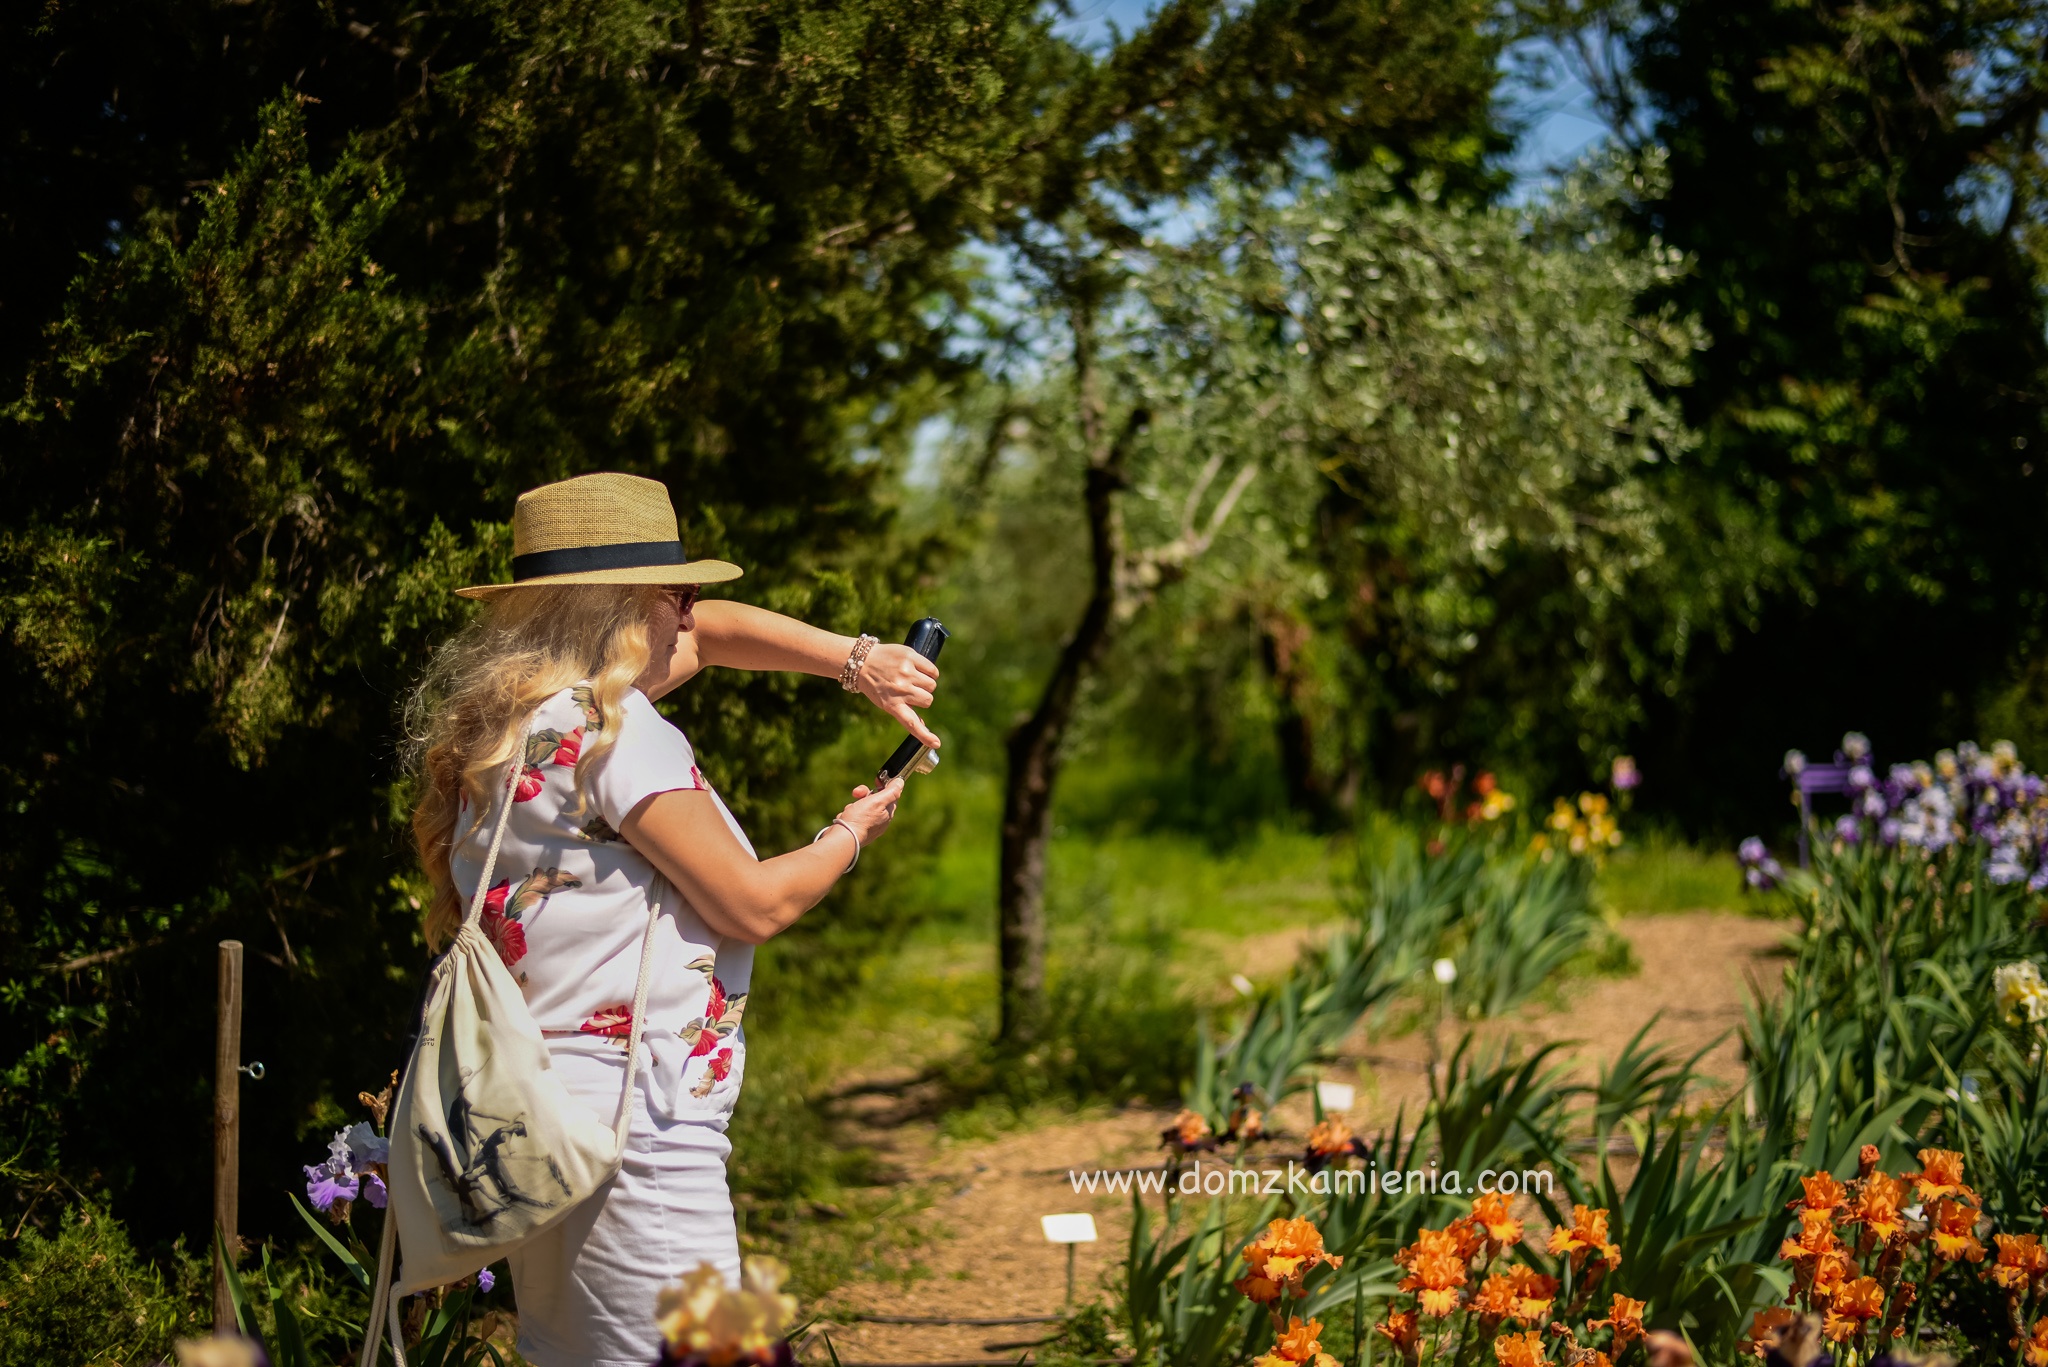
(500, 1174)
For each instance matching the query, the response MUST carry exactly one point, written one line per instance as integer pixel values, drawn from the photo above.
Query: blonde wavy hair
(465, 718)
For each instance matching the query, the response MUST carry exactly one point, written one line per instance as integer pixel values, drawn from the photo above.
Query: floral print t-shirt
(568, 900)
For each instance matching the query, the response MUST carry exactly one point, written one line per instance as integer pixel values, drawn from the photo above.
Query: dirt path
(987, 1256)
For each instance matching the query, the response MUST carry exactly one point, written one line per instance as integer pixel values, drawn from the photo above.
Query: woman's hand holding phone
(899, 681)
(871, 810)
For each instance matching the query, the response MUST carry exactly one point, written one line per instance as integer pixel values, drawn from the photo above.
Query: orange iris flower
(2020, 1260)
(1437, 1276)
(1830, 1271)
(1329, 1136)
(1816, 1236)
(1955, 1226)
(1256, 1289)
(1402, 1329)
(1286, 1253)
(1854, 1303)
(1877, 1207)
(1625, 1318)
(1941, 1175)
(1470, 1234)
(1502, 1229)
(2037, 1344)
(1496, 1299)
(1188, 1129)
(1520, 1350)
(1587, 1237)
(1822, 1192)
(1534, 1294)
(1763, 1330)
(1300, 1346)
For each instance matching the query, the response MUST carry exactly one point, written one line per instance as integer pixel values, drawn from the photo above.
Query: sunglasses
(683, 598)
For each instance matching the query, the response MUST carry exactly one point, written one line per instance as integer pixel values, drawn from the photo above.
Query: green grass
(1132, 883)
(1654, 873)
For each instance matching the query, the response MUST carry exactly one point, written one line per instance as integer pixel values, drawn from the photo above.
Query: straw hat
(600, 529)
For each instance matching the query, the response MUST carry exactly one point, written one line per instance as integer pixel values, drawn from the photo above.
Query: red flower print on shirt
(722, 1013)
(713, 1010)
(697, 777)
(717, 1070)
(585, 699)
(570, 749)
(507, 937)
(545, 746)
(506, 906)
(614, 1023)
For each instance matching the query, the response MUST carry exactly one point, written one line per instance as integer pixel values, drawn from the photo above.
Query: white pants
(586, 1288)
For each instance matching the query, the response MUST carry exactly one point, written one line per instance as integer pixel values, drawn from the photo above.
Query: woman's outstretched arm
(737, 636)
(685, 836)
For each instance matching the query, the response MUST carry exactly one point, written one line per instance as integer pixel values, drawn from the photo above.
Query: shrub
(85, 1298)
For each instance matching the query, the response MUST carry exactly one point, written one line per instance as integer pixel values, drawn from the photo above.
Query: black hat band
(627, 555)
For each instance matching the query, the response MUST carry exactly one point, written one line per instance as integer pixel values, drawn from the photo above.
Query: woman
(611, 811)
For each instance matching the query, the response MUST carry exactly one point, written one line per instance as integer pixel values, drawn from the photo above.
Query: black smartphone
(926, 637)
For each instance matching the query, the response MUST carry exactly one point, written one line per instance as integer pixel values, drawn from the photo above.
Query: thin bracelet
(835, 821)
(849, 673)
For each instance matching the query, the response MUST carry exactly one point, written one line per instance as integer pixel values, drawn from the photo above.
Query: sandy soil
(988, 1258)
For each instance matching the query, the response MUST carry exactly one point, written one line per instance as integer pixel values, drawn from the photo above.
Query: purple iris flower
(373, 1190)
(1849, 830)
(485, 1281)
(325, 1186)
(1888, 830)
(1751, 851)
(1873, 804)
(365, 1145)
(2040, 879)
(1856, 747)
(2005, 866)
(1861, 777)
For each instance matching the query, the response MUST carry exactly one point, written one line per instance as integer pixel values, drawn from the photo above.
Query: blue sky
(1562, 121)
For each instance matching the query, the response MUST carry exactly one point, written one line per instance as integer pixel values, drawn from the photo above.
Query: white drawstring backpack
(487, 1147)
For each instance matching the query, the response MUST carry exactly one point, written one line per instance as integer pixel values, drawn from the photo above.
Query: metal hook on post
(254, 1070)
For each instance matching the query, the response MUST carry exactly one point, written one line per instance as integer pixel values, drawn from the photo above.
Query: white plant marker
(1072, 1229)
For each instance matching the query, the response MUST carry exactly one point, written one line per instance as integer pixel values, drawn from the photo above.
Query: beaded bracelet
(849, 675)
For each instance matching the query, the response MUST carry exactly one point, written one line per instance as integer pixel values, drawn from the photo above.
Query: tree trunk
(1034, 755)
(1034, 747)
(1281, 641)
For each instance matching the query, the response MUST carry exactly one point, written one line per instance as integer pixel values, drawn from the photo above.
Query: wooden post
(227, 1137)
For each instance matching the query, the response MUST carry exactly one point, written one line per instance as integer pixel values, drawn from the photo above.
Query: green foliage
(1860, 191)
(1391, 454)
(84, 1296)
(1115, 1030)
(1509, 921)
